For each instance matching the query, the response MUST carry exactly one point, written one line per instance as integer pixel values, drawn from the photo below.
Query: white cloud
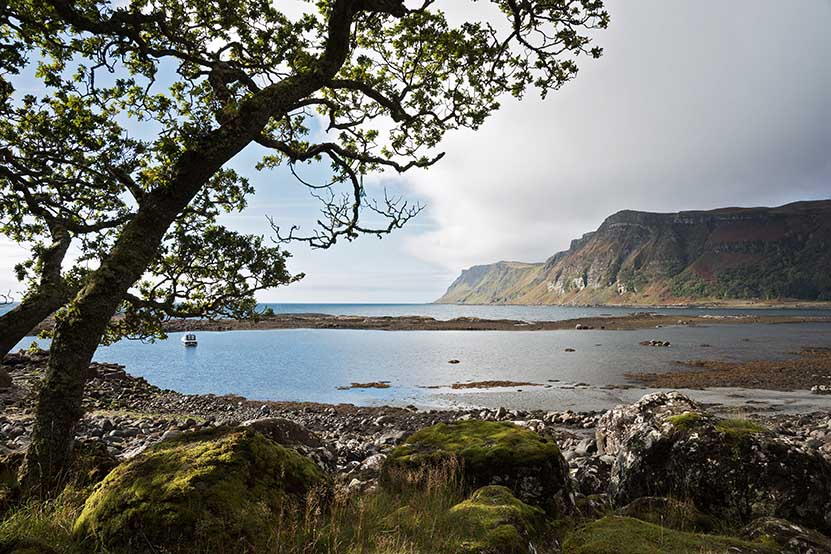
(694, 105)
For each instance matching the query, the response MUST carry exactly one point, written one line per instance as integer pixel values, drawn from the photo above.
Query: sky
(694, 105)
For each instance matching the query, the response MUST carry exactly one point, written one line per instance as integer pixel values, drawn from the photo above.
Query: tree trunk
(78, 334)
(38, 304)
(17, 323)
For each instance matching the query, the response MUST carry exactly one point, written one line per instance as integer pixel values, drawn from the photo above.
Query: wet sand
(807, 369)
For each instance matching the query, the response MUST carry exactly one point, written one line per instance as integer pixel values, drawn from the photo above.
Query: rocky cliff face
(639, 257)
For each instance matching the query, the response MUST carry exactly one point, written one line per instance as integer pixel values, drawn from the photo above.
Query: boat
(189, 339)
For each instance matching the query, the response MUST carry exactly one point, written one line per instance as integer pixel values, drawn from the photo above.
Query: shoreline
(641, 320)
(127, 414)
(709, 305)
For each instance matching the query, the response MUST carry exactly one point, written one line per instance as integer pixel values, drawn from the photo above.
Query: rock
(569, 350)
(490, 453)
(493, 521)
(732, 469)
(668, 512)
(791, 538)
(821, 389)
(373, 463)
(616, 425)
(390, 438)
(207, 489)
(454, 361)
(619, 535)
(170, 433)
(592, 476)
(593, 506)
(5, 378)
(283, 431)
(585, 447)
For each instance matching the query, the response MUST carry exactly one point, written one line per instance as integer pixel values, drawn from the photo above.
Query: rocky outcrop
(737, 470)
(648, 258)
(489, 453)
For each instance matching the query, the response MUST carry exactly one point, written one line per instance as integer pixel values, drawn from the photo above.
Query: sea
(315, 364)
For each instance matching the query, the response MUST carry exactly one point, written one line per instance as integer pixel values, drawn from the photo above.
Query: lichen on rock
(223, 489)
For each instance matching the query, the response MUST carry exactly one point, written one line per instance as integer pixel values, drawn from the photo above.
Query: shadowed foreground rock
(791, 538)
(732, 469)
(215, 490)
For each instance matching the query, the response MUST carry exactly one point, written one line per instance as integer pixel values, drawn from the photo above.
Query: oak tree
(360, 86)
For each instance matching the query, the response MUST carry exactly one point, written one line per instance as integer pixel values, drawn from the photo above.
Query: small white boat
(189, 339)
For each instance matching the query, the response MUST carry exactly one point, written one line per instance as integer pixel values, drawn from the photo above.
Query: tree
(246, 73)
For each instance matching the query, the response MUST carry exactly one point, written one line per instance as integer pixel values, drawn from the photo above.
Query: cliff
(650, 258)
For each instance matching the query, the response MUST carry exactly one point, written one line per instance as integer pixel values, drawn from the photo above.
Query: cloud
(694, 105)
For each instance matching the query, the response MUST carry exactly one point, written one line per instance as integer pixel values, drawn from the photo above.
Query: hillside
(651, 258)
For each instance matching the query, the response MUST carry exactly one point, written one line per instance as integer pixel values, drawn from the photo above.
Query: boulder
(488, 453)
(296, 437)
(668, 512)
(791, 538)
(214, 490)
(493, 521)
(616, 425)
(733, 469)
(592, 475)
(284, 431)
(624, 535)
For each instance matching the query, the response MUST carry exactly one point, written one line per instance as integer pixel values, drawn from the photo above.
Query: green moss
(686, 421)
(733, 427)
(739, 427)
(623, 535)
(199, 491)
(480, 444)
(485, 453)
(493, 520)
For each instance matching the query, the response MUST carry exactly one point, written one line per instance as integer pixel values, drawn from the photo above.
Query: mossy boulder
(488, 453)
(668, 512)
(216, 490)
(494, 521)
(735, 470)
(624, 535)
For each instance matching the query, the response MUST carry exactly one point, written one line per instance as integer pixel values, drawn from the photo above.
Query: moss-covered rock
(493, 521)
(733, 469)
(490, 453)
(624, 535)
(668, 512)
(217, 490)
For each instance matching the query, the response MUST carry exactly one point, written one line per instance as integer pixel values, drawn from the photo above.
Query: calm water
(306, 364)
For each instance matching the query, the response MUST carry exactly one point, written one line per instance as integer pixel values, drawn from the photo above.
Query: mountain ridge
(641, 258)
